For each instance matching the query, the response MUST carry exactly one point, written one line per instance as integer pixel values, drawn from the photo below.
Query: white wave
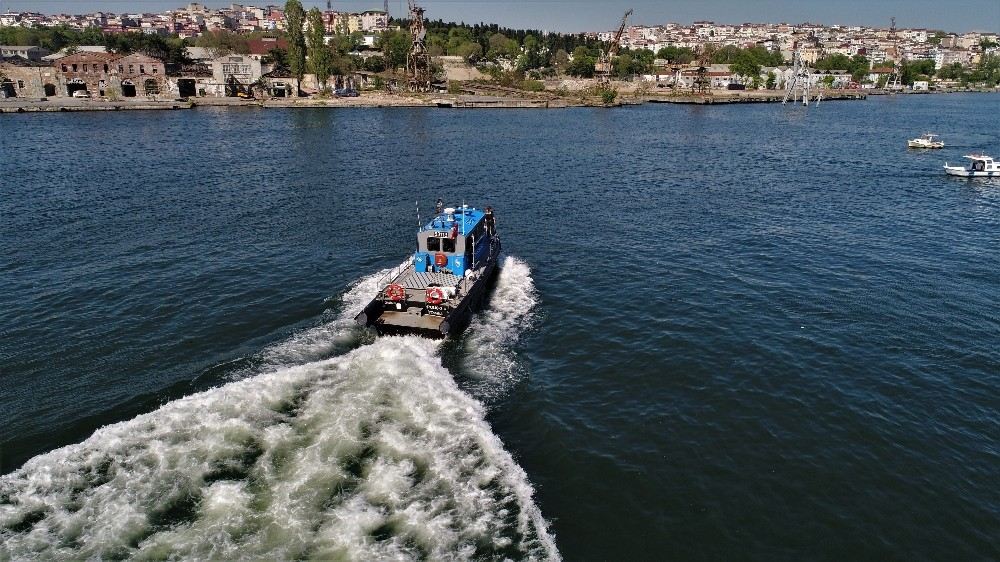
(490, 360)
(375, 454)
(326, 339)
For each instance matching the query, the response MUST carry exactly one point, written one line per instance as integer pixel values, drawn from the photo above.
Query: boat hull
(963, 173)
(911, 144)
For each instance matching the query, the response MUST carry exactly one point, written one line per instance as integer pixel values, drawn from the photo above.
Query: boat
(435, 292)
(926, 141)
(980, 166)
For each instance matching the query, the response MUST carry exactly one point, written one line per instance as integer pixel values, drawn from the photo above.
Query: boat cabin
(455, 241)
(982, 163)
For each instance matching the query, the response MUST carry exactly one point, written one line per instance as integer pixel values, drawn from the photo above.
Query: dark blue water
(750, 332)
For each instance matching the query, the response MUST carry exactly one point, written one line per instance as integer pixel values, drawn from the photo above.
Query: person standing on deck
(439, 207)
(490, 221)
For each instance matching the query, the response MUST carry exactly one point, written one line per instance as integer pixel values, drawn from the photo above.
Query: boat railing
(384, 280)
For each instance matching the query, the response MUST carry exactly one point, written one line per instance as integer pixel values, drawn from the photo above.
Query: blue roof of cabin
(467, 219)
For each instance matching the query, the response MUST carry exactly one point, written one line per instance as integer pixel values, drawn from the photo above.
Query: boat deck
(410, 279)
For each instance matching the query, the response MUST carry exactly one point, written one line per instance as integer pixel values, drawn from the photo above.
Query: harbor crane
(893, 82)
(798, 84)
(605, 66)
(702, 84)
(418, 60)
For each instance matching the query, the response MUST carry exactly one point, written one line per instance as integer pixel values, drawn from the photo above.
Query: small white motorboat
(980, 166)
(929, 140)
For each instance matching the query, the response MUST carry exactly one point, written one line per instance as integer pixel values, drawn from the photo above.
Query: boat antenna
(418, 216)
(463, 216)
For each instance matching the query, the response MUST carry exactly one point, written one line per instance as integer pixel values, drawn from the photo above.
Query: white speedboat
(929, 140)
(980, 166)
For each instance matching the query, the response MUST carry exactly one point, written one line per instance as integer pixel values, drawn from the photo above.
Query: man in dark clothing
(490, 221)
(439, 207)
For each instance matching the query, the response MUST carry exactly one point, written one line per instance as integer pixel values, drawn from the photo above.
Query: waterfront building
(22, 78)
(138, 74)
(234, 74)
(86, 71)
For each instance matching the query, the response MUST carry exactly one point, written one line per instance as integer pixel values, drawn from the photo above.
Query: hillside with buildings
(243, 51)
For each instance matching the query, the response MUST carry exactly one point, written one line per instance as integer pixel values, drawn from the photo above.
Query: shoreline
(383, 100)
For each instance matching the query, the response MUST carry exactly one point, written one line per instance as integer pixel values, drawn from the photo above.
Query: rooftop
(466, 217)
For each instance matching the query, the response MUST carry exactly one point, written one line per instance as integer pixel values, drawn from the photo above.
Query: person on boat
(490, 221)
(454, 231)
(439, 206)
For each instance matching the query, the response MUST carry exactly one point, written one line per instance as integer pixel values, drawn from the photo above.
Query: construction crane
(605, 66)
(418, 60)
(797, 85)
(702, 83)
(893, 83)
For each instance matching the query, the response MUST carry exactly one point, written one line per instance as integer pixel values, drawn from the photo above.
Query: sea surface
(733, 332)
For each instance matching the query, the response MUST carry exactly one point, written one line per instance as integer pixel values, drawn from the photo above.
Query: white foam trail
(375, 454)
(326, 339)
(490, 360)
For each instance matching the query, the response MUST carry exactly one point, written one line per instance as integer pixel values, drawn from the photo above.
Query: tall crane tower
(418, 60)
(893, 83)
(605, 66)
(798, 84)
(702, 83)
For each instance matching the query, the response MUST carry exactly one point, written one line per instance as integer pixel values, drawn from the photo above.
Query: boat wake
(372, 454)
(488, 359)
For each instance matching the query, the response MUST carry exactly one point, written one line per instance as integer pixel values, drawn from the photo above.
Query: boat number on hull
(436, 310)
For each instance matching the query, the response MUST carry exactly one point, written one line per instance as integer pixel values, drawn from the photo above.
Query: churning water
(373, 454)
(748, 332)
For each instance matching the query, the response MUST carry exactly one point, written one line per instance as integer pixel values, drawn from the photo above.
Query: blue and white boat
(435, 293)
(980, 166)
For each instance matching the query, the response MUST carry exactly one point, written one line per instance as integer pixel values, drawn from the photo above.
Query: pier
(728, 97)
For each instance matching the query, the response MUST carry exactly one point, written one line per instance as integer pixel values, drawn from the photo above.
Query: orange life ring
(435, 295)
(395, 292)
(440, 260)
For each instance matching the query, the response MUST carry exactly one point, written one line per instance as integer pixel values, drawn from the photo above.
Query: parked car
(81, 94)
(345, 93)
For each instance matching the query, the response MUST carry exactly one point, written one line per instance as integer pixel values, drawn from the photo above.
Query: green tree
(319, 53)
(582, 64)
(294, 18)
(470, 51)
(560, 60)
(747, 69)
(676, 55)
(772, 81)
(276, 56)
(221, 43)
(395, 45)
(502, 47)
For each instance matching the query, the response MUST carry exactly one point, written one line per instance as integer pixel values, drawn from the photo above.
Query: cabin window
(105, 68)
(74, 68)
(447, 245)
(433, 244)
